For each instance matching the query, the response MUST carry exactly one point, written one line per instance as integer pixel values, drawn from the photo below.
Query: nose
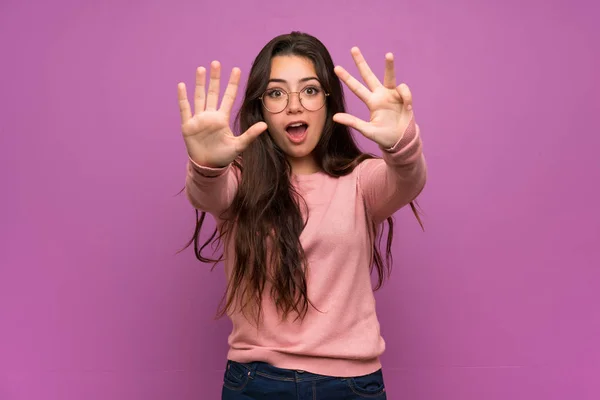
(294, 105)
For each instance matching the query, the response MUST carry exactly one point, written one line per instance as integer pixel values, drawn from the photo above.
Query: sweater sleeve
(392, 182)
(210, 189)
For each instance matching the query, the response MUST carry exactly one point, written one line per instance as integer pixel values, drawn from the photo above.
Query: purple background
(498, 299)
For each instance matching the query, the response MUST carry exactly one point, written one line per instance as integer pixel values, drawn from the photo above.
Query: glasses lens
(312, 98)
(275, 100)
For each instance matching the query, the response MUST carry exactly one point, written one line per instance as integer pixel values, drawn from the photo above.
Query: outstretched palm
(207, 135)
(390, 106)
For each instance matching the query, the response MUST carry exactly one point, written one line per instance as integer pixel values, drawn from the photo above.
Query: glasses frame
(287, 102)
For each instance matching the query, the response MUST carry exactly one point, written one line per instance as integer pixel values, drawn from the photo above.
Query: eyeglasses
(276, 100)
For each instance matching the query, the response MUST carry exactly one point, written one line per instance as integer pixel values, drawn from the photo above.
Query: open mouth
(297, 131)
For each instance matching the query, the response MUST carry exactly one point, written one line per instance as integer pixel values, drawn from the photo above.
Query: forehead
(291, 68)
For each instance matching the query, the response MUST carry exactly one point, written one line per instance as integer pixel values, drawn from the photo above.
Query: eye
(311, 90)
(274, 93)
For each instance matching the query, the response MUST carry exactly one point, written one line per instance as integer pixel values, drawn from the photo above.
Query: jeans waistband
(281, 374)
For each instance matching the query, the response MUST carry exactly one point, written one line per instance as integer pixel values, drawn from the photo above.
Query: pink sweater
(344, 338)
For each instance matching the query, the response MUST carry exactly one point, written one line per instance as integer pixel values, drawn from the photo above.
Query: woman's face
(295, 129)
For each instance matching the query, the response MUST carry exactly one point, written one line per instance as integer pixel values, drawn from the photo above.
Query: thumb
(354, 122)
(246, 138)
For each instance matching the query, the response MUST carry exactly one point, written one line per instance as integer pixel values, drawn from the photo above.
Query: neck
(304, 166)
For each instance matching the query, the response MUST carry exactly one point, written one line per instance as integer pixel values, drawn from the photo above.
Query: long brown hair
(264, 219)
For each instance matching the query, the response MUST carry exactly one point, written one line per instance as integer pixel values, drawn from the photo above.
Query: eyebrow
(310, 78)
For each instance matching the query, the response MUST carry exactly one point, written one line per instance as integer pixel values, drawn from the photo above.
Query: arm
(210, 142)
(210, 189)
(394, 181)
(390, 183)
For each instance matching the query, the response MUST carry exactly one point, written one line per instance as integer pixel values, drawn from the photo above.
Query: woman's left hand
(390, 105)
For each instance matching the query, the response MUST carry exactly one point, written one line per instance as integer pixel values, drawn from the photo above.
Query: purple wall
(498, 299)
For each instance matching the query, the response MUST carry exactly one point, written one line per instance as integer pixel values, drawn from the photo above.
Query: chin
(299, 152)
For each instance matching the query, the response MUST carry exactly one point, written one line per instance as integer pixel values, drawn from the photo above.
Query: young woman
(299, 210)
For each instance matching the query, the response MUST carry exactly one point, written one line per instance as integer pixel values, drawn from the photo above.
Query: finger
(184, 104)
(230, 91)
(389, 79)
(357, 88)
(200, 91)
(354, 122)
(246, 138)
(366, 73)
(406, 95)
(214, 86)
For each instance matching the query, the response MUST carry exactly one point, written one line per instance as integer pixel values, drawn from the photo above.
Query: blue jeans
(259, 380)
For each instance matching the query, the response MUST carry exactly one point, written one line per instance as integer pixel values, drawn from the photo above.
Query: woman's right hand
(207, 135)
